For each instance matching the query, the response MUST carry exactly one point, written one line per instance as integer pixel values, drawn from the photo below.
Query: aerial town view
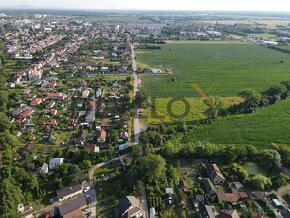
(151, 109)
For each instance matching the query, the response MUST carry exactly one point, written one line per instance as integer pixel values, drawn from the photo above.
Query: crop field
(268, 125)
(220, 68)
(197, 110)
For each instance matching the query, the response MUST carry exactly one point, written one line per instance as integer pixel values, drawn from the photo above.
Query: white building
(55, 162)
(86, 93)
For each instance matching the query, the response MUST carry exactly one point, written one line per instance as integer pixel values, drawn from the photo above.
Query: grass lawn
(197, 110)
(253, 168)
(221, 68)
(268, 125)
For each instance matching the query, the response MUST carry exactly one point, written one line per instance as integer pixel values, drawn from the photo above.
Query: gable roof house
(69, 192)
(130, 207)
(90, 118)
(236, 186)
(208, 187)
(43, 169)
(84, 135)
(93, 147)
(183, 186)
(215, 174)
(35, 101)
(73, 208)
(102, 136)
(232, 213)
(207, 211)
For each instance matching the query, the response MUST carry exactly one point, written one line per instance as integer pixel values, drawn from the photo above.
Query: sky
(219, 5)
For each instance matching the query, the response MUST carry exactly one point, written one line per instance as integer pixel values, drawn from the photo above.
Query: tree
(252, 99)
(239, 174)
(5, 123)
(11, 196)
(270, 159)
(276, 92)
(141, 97)
(3, 100)
(260, 182)
(152, 167)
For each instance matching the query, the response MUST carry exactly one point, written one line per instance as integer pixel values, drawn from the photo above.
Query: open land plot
(197, 109)
(223, 68)
(268, 125)
(253, 169)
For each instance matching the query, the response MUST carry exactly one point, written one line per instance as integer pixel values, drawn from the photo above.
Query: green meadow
(220, 68)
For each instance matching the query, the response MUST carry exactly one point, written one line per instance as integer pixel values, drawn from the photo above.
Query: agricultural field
(220, 68)
(197, 109)
(268, 125)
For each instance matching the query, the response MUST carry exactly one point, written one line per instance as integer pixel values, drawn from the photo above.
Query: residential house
(69, 192)
(102, 136)
(232, 213)
(227, 197)
(84, 135)
(130, 207)
(86, 93)
(73, 208)
(93, 147)
(43, 169)
(208, 187)
(124, 135)
(90, 118)
(99, 93)
(28, 148)
(152, 71)
(258, 195)
(91, 105)
(183, 186)
(236, 186)
(207, 211)
(53, 112)
(169, 191)
(36, 101)
(55, 95)
(50, 105)
(51, 84)
(21, 208)
(215, 174)
(55, 162)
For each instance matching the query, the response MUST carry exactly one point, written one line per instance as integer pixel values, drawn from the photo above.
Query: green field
(223, 68)
(268, 125)
(197, 110)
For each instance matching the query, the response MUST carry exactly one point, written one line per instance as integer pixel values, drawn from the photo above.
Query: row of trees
(254, 99)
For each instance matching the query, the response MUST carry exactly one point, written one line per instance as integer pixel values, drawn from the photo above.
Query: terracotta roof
(229, 214)
(227, 197)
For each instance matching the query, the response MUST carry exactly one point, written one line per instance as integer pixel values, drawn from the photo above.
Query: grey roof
(72, 205)
(207, 211)
(68, 190)
(126, 202)
(208, 186)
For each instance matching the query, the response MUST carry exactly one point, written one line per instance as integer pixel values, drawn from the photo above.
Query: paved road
(280, 192)
(93, 169)
(137, 126)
